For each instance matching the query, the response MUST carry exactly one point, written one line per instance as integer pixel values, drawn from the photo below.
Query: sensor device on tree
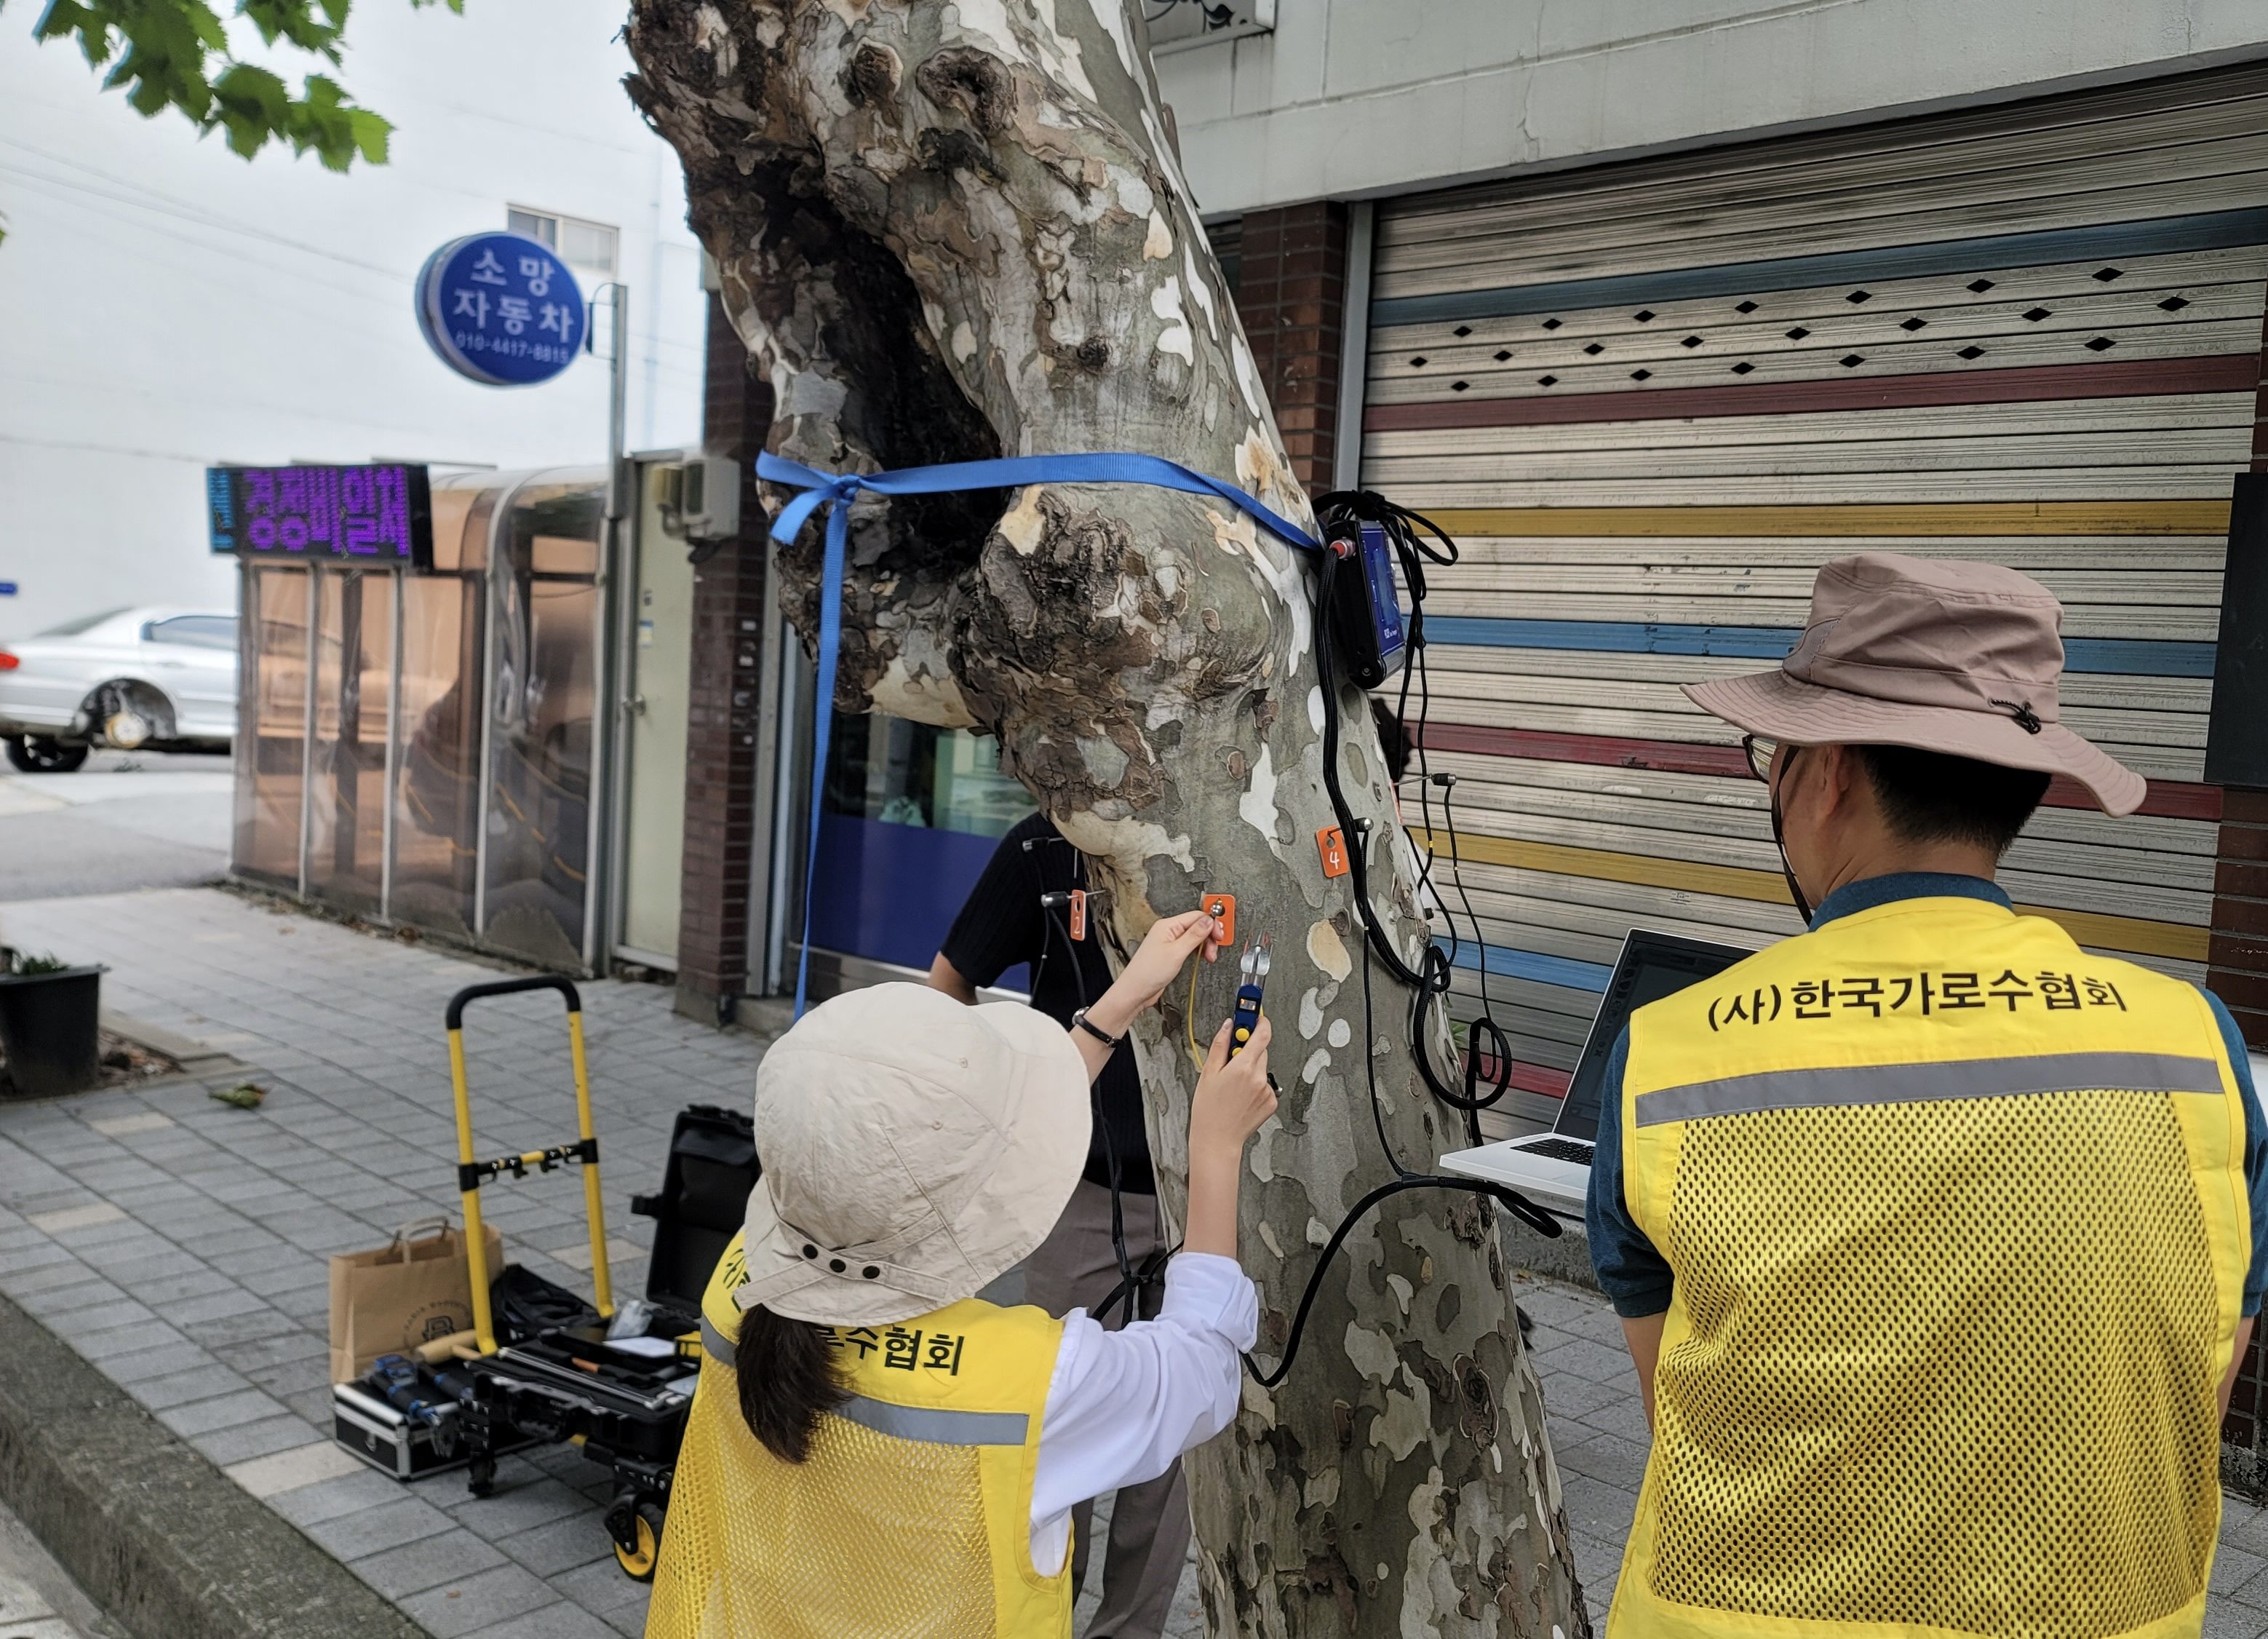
(1222, 909)
(1365, 616)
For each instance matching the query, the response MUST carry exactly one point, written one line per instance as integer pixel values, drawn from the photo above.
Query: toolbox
(395, 1443)
(703, 1202)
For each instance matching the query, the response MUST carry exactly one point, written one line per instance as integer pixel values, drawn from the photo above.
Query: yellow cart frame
(472, 1173)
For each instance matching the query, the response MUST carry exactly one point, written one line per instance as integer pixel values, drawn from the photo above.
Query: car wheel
(36, 754)
(129, 716)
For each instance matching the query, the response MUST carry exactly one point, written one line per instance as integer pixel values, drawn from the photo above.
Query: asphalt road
(125, 821)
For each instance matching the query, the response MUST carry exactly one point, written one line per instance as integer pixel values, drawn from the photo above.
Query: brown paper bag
(415, 1289)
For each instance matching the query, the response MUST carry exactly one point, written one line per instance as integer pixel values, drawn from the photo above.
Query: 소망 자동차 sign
(501, 309)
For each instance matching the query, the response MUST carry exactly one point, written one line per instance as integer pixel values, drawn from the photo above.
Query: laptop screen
(1653, 966)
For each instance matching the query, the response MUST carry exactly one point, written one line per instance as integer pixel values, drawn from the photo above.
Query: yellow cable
(1189, 1012)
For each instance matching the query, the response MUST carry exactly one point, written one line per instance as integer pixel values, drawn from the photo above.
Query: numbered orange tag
(1332, 846)
(1078, 913)
(1222, 909)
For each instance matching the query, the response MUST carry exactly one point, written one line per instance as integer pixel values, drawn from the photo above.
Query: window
(588, 248)
(198, 632)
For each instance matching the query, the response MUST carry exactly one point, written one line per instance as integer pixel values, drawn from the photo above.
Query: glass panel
(587, 246)
(909, 820)
(271, 746)
(463, 503)
(539, 720)
(197, 631)
(436, 797)
(354, 662)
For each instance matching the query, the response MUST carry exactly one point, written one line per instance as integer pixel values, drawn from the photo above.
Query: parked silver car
(163, 679)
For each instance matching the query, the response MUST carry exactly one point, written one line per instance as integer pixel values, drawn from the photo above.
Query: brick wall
(1290, 292)
(720, 737)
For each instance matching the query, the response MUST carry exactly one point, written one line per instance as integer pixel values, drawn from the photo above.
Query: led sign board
(378, 516)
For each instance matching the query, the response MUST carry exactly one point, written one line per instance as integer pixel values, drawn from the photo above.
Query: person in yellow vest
(875, 1451)
(1935, 1237)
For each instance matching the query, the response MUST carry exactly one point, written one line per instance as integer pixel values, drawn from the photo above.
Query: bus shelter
(418, 745)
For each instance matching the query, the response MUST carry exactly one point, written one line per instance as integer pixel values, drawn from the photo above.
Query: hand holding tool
(1254, 968)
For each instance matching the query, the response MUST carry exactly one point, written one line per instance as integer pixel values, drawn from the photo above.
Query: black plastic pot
(48, 1032)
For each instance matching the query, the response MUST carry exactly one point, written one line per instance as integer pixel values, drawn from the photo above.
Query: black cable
(1526, 1210)
(1342, 513)
(1431, 977)
(1050, 903)
(1370, 1069)
(1499, 1044)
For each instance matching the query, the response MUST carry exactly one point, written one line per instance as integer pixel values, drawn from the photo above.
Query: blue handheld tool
(1254, 967)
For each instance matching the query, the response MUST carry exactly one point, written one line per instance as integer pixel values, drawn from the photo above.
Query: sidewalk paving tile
(501, 1593)
(373, 1530)
(280, 1471)
(280, 1433)
(222, 1411)
(448, 1556)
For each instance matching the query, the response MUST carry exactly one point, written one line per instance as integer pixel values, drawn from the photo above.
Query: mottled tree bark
(956, 230)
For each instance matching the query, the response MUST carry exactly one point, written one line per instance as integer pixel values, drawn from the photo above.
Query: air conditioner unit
(699, 499)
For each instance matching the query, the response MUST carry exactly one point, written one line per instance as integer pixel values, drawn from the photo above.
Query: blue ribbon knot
(835, 491)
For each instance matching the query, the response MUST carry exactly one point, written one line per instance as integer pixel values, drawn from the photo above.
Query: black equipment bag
(703, 1202)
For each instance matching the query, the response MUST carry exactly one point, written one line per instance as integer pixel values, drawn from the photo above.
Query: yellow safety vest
(1957, 1220)
(910, 1518)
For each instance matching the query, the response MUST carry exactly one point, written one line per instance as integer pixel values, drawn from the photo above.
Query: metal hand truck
(564, 1383)
(471, 1173)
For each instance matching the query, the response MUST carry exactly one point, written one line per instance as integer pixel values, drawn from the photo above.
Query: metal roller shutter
(1651, 399)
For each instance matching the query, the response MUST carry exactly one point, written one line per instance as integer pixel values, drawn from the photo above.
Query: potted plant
(47, 1025)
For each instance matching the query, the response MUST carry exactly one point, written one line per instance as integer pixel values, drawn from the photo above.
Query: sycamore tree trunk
(956, 230)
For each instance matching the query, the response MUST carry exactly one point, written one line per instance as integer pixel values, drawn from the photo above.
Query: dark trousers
(1075, 1268)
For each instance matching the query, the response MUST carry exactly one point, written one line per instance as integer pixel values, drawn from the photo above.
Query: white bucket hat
(913, 1149)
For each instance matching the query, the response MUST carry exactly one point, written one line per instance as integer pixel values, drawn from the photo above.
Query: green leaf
(175, 54)
(252, 105)
(371, 131)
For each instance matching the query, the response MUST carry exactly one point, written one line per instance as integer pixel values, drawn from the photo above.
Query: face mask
(1780, 841)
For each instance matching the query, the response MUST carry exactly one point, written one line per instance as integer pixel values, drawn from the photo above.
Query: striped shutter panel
(1651, 399)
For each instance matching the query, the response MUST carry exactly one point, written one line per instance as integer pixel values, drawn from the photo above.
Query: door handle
(635, 704)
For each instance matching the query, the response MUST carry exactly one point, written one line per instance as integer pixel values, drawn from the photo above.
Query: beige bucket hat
(913, 1149)
(1929, 653)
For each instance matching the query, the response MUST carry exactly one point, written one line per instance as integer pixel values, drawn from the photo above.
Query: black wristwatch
(1080, 1022)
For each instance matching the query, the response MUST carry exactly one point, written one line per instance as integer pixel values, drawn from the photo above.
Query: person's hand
(1233, 1099)
(1234, 1096)
(1164, 951)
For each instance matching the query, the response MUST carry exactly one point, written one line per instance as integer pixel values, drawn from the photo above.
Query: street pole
(618, 406)
(602, 824)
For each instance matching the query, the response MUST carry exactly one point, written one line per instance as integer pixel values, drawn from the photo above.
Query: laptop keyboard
(1572, 1149)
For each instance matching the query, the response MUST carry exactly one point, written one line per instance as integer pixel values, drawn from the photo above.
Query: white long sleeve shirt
(1122, 1405)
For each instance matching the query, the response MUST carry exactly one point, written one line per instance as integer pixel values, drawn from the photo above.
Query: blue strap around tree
(835, 491)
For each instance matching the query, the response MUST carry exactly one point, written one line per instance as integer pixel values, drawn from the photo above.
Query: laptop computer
(1554, 1169)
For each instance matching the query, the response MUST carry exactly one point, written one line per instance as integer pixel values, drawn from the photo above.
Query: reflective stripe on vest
(911, 1511)
(926, 1424)
(1957, 1223)
(1848, 1084)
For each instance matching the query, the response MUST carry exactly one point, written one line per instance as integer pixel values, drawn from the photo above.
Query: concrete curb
(195, 1057)
(162, 1539)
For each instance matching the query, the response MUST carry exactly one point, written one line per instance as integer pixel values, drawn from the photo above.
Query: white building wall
(1356, 98)
(163, 305)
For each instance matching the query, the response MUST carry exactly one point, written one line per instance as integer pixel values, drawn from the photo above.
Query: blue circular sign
(501, 309)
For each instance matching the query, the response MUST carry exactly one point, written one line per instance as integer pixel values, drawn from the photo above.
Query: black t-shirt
(1003, 925)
